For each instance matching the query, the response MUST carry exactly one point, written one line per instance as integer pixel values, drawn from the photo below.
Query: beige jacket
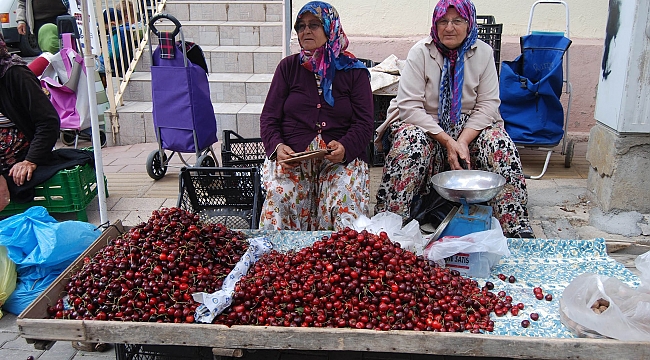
(418, 93)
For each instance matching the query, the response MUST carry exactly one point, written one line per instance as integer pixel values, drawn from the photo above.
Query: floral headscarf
(7, 60)
(318, 61)
(451, 83)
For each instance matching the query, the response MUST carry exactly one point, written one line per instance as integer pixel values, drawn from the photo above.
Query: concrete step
(225, 10)
(227, 33)
(136, 121)
(232, 59)
(224, 87)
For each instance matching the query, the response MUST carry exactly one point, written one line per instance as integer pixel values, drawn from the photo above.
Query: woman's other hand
(466, 137)
(22, 171)
(338, 152)
(457, 151)
(284, 152)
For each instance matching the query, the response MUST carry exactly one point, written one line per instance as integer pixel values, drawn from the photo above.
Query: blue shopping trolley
(531, 87)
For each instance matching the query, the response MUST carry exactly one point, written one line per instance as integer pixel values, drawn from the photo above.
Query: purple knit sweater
(294, 113)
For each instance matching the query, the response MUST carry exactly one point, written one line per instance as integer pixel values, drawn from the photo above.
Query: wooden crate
(34, 327)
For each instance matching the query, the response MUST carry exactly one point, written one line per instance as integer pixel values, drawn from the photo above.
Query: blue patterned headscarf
(318, 61)
(451, 79)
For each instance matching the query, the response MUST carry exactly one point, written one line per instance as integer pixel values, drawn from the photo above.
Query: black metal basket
(161, 352)
(226, 195)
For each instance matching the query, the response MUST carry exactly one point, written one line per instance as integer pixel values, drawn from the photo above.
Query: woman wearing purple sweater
(318, 99)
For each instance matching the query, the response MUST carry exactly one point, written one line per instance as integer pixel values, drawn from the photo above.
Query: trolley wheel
(68, 137)
(206, 160)
(568, 154)
(102, 138)
(156, 168)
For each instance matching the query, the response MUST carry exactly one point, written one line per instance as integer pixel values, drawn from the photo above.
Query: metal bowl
(474, 186)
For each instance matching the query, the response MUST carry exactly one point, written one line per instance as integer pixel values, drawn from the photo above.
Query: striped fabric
(167, 43)
(5, 122)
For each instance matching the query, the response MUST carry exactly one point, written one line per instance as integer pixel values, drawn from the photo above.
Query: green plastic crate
(69, 190)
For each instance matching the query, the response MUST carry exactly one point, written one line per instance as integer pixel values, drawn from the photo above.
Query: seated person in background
(29, 124)
(118, 40)
(318, 99)
(48, 38)
(131, 17)
(446, 117)
(48, 41)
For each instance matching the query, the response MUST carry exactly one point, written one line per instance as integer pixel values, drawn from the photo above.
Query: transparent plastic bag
(627, 316)
(478, 251)
(7, 277)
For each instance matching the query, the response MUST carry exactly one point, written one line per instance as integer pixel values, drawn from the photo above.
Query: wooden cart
(35, 328)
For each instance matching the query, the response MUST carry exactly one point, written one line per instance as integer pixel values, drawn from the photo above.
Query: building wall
(413, 17)
(376, 30)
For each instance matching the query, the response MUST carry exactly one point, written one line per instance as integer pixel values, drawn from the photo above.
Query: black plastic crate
(162, 352)
(381, 104)
(485, 19)
(491, 34)
(369, 63)
(238, 151)
(226, 195)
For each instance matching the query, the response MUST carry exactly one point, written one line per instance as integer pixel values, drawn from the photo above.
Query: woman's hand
(461, 160)
(283, 153)
(22, 28)
(22, 171)
(457, 151)
(338, 152)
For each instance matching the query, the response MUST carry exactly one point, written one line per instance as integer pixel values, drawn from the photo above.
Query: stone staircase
(242, 44)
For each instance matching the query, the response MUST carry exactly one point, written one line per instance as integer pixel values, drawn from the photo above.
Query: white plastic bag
(628, 315)
(642, 263)
(478, 251)
(215, 303)
(409, 237)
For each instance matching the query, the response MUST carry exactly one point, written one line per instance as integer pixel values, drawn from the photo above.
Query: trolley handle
(157, 17)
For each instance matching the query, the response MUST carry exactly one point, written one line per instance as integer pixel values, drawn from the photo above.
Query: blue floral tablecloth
(547, 263)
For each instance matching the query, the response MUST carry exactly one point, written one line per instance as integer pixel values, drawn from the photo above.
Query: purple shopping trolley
(183, 116)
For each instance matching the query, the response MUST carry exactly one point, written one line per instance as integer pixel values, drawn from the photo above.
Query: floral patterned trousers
(316, 195)
(414, 157)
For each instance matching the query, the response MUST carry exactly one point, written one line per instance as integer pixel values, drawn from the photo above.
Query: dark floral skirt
(13, 147)
(414, 157)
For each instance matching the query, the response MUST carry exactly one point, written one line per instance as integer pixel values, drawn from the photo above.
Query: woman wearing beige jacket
(446, 117)
(32, 14)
